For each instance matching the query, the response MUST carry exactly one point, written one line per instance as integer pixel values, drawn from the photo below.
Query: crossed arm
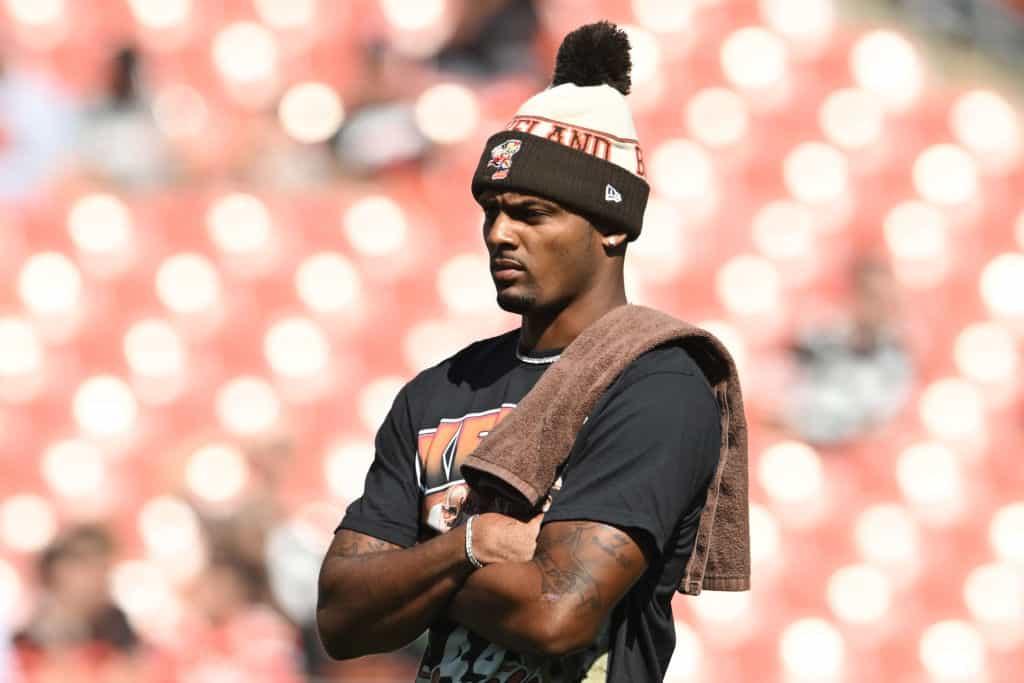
(375, 596)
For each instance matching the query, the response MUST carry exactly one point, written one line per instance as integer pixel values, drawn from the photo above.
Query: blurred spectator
(120, 141)
(491, 38)
(76, 632)
(37, 127)
(854, 373)
(380, 132)
(230, 634)
(996, 26)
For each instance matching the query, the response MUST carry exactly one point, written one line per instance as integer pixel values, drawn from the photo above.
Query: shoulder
(669, 367)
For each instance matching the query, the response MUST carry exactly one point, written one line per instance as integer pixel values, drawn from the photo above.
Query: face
(542, 256)
(80, 577)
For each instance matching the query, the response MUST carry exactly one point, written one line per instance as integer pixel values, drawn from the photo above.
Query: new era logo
(611, 194)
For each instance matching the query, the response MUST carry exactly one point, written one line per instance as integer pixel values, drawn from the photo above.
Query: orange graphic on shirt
(441, 452)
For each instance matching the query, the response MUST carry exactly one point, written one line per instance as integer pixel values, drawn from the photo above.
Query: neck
(546, 330)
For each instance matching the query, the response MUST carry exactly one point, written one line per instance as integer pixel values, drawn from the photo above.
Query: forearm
(554, 603)
(504, 603)
(381, 601)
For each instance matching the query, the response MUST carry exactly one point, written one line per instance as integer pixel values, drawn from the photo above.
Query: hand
(497, 538)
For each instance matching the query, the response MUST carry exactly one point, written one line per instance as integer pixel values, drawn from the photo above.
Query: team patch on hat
(501, 158)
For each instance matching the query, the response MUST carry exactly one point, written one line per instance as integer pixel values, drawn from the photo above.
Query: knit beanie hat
(575, 142)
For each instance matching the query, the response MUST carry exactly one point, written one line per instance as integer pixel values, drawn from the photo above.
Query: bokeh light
(1002, 281)
(953, 651)
(187, 283)
(21, 353)
(717, 117)
(245, 52)
(286, 14)
(932, 481)
(754, 59)
(946, 175)
(749, 285)
(447, 113)
(105, 406)
(688, 657)
(812, 650)
(216, 472)
(169, 528)
(376, 225)
(731, 338)
(248, 406)
(100, 225)
(662, 253)
(987, 353)
(345, 467)
(143, 591)
(311, 112)
(644, 53)
(852, 118)
(296, 348)
(784, 231)
(664, 17)
(154, 349)
(994, 594)
(1006, 532)
(376, 398)
(790, 472)
(916, 234)
(765, 537)
(36, 13)
(49, 284)
(27, 522)
(160, 14)
(11, 588)
(816, 173)
(682, 170)
(987, 125)
(240, 224)
(328, 283)
(886, 64)
(413, 15)
(74, 468)
(887, 536)
(859, 594)
(431, 341)
(806, 23)
(464, 284)
(953, 408)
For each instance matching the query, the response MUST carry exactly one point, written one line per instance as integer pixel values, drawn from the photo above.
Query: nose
(500, 233)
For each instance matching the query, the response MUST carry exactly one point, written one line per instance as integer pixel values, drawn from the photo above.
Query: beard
(516, 303)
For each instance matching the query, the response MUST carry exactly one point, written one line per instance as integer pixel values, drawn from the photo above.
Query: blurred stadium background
(229, 232)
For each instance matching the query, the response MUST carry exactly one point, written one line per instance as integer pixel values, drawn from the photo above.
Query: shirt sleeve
(389, 506)
(649, 450)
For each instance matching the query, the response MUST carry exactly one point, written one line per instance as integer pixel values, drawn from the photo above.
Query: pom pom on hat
(595, 54)
(575, 142)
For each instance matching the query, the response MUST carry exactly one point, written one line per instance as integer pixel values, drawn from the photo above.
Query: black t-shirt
(641, 462)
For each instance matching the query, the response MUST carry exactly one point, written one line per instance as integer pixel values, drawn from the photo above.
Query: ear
(613, 240)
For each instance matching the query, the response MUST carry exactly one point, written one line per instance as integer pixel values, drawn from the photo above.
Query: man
(584, 589)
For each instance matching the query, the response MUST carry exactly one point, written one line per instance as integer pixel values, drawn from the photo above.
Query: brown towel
(511, 461)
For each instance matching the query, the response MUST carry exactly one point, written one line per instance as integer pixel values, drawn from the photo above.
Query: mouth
(506, 269)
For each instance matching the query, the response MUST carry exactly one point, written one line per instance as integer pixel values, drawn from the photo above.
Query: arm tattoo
(571, 556)
(356, 546)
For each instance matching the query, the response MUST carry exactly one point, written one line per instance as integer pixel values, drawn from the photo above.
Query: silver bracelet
(469, 544)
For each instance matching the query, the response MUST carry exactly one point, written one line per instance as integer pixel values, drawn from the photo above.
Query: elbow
(336, 639)
(565, 634)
